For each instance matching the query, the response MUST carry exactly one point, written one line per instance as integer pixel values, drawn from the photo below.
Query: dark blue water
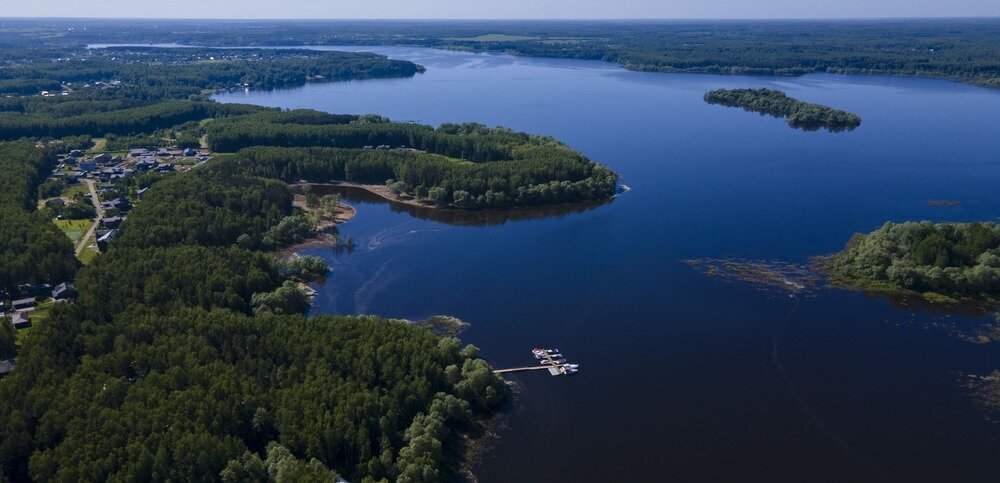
(685, 377)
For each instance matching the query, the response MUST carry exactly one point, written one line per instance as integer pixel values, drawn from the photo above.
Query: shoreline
(379, 190)
(323, 236)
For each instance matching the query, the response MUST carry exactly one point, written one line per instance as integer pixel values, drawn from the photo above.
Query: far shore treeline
(960, 49)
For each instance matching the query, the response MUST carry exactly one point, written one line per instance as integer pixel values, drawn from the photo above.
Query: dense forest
(187, 354)
(465, 165)
(960, 49)
(203, 395)
(14, 125)
(953, 260)
(778, 104)
(32, 249)
(204, 379)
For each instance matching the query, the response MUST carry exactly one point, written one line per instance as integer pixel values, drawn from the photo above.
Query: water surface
(685, 377)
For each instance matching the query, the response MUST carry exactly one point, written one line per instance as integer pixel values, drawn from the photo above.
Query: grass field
(73, 190)
(89, 252)
(100, 144)
(74, 229)
(39, 315)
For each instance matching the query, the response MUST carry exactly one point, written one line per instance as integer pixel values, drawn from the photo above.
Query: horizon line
(499, 19)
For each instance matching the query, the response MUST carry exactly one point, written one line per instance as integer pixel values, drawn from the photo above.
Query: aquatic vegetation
(444, 325)
(944, 203)
(766, 274)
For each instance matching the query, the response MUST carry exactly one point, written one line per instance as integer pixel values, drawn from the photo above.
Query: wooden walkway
(519, 369)
(554, 368)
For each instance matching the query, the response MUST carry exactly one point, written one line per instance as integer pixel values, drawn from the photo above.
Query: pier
(547, 361)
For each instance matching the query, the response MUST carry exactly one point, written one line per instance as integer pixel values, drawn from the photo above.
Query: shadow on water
(459, 217)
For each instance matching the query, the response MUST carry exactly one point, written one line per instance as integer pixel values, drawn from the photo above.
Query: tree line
(197, 69)
(961, 49)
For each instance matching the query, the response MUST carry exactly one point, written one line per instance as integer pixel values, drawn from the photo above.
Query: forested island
(776, 103)
(964, 50)
(944, 262)
(183, 352)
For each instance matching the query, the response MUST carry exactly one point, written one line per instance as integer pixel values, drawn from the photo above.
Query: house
(190, 152)
(164, 168)
(64, 291)
(76, 153)
(175, 152)
(22, 304)
(7, 366)
(117, 204)
(138, 153)
(55, 203)
(103, 158)
(145, 164)
(105, 240)
(117, 160)
(88, 167)
(111, 222)
(140, 192)
(21, 320)
(71, 160)
(163, 153)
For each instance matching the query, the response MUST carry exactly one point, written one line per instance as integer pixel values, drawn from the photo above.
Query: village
(96, 191)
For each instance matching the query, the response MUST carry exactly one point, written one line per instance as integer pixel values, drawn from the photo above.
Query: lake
(684, 376)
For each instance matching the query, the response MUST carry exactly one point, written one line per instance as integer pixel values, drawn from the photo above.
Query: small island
(801, 115)
(944, 263)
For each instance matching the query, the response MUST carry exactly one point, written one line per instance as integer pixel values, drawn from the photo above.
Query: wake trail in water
(375, 284)
(393, 235)
(793, 388)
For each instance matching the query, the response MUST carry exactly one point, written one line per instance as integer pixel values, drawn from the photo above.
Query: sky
(498, 9)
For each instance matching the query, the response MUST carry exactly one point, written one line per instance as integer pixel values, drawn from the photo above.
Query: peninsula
(187, 267)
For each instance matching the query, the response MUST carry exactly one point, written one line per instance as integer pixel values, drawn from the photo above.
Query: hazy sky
(499, 9)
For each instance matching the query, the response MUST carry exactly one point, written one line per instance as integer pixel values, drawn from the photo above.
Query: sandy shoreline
(377, 189)
(326, 235)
